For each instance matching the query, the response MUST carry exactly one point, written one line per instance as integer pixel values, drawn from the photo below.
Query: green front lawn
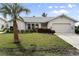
(35, 40)
(41, 40)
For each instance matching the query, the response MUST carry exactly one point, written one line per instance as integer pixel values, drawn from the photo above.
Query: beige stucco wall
(62, 20)
(21, 25)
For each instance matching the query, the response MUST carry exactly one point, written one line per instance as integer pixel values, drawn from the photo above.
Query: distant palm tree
(44, 15)
(13, 10)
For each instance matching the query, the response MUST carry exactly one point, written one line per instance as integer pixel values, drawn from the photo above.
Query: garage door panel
(62, 27)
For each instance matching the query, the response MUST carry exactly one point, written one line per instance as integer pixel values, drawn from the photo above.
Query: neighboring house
(61, 23)
(3, 24)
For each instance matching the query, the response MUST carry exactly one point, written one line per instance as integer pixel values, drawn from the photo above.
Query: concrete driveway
(71, 38)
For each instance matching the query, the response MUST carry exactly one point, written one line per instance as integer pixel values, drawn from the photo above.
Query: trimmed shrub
(52, 31)
(9, 31)
(41, 30)
(22, 31)
(31, 31)
(27, 31)
(77, 29)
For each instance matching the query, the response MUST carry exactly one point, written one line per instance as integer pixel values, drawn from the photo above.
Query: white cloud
(70, 5)
(56, 6)
(78, 11)
(59, 6)
(49, 6)
(60, 11)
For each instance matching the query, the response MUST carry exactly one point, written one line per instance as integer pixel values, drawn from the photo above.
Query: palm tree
(13, 10)
(44, 15)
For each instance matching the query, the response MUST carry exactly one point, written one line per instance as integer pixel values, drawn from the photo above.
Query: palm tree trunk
(15, 31)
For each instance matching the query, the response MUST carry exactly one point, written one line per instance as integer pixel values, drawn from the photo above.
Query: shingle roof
(37, 19)
(3, 19)
(43, 19)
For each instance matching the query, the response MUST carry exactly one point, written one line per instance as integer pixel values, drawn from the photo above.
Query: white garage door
(62, 27)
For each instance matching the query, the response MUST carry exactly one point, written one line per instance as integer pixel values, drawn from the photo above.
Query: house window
(33, 26)
(37, 26)
(11, 28)
(2, 26)
(29, 26)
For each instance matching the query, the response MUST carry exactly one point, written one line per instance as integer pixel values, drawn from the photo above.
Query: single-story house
(61, 23)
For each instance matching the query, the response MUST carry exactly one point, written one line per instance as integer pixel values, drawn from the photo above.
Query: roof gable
(63, 15)
(3, 19)
(44, 19)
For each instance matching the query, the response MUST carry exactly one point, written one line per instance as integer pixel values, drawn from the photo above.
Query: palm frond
(20, 18)
(12, 9)
(22, 9)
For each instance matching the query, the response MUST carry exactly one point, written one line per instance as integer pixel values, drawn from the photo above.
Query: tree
(13, 10)
(44, 15)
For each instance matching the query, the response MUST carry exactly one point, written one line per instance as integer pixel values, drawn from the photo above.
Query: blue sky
(52, 9)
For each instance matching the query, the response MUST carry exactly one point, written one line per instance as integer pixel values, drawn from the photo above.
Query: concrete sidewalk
(71, 38)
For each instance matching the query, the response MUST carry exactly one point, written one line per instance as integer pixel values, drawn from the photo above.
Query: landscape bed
(35, 44)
